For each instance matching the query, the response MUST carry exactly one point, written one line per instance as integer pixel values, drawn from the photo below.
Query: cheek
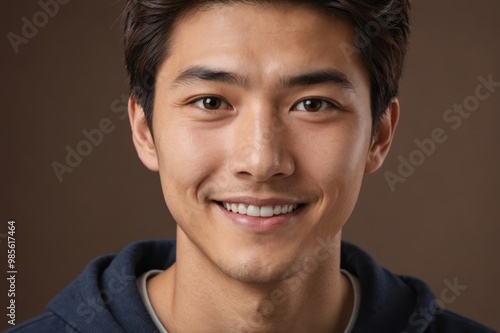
(336, 161)
(188, 156)
(335, 155)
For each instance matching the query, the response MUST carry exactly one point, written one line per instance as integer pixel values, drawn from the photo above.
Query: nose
(261, 150)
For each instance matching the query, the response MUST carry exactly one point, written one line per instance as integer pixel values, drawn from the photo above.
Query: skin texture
(261, 142)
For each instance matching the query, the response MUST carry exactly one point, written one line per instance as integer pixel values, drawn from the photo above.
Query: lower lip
(260, 224)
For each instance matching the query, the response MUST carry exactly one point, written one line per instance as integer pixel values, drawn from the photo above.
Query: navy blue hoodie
(104, 298)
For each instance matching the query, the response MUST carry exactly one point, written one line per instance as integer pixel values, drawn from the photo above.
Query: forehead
(264, 39)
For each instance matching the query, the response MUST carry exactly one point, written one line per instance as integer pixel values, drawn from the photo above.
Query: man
(261, 118)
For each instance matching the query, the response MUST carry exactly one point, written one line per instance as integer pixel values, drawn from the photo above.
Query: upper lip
(261, 202)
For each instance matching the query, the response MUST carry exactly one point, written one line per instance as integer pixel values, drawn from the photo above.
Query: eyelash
(331, 106)
(201, 99)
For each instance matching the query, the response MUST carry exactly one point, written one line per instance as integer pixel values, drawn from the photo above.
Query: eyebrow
(322, 76)
(200, 73)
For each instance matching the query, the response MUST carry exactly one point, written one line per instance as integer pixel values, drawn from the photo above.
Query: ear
(381, 141)
(141, 135)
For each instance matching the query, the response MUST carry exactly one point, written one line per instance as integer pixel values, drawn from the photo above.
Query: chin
(259, 272)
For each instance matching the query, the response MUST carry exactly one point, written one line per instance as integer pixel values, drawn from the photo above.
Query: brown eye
(211, 103)
(313, 105)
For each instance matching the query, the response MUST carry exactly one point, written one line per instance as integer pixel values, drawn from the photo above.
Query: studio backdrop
(432, 211)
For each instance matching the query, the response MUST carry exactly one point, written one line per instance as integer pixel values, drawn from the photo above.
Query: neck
(193, 295)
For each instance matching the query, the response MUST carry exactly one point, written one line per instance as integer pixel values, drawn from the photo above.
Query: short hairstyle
(381, 29)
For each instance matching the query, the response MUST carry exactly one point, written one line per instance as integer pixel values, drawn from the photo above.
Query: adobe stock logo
(454, 118)
(30, 28)
(92, 139)
(426, 313)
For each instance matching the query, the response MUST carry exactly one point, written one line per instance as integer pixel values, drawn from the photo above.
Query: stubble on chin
(255, 275)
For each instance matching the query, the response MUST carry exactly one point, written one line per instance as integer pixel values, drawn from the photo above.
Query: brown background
(441, 223)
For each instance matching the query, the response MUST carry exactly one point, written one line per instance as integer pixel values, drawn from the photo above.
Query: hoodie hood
(105, 298)
(389, 303)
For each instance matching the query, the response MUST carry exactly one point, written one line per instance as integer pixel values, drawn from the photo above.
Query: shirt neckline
(141, 282)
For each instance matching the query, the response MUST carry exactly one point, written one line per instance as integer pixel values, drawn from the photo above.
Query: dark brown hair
(381, 30)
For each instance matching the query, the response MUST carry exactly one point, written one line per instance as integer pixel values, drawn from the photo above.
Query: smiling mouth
(259, 211)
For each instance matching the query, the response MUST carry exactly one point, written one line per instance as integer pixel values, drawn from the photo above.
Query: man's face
(262, 132)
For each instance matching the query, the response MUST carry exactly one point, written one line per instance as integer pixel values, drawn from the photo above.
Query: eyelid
(198, 99)
(195, 100)
(332, 104)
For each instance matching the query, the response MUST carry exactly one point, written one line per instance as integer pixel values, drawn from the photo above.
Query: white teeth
(242, 209)
(234, 208)
(266, 211)
(253, 210)
(256, 211)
